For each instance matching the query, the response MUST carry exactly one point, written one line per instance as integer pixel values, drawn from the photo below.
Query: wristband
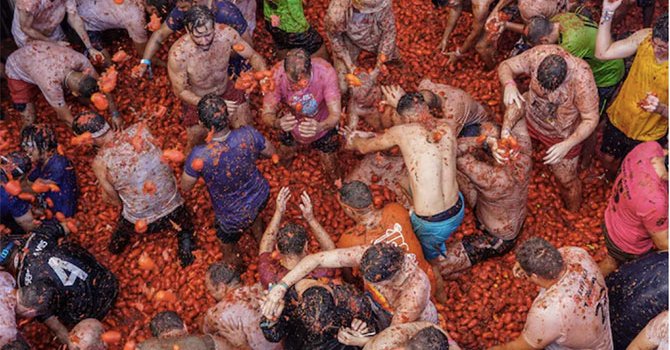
(607, 16)
(511, 81)
(145, 61)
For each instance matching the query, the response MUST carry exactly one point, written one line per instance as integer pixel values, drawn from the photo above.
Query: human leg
(570, 186)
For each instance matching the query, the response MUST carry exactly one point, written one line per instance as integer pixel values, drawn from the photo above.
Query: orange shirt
(394, 226)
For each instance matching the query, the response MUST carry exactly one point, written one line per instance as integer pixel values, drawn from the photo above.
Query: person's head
(220, 279)
(93, 123)
(540, 31)
(292, 240)
(298, 66)
(16, 344)
(87, 334)
(37, 299)
(15, 165)
(382, 263)
(183, 5)
(162, 7)
(659, 38)
(551, 72)
(412, 107)
(213, 112)
(38, 141)
(199, 23)
(167, 324)
(318, 311)
(428, 338)
(355, 198)
(540, 260)
(81, 84)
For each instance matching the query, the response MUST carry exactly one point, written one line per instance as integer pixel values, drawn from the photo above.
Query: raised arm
(319, 232)
(152, 46)
(605, 48)
(269, 238)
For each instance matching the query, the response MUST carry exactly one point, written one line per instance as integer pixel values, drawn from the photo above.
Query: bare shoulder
(178, 49)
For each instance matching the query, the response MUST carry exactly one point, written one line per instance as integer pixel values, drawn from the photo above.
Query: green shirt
(578, 36)
(291, 15)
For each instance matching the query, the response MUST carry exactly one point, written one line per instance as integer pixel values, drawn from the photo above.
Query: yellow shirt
(646, 75)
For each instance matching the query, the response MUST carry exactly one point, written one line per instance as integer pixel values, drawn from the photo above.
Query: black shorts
(606, 96)
(615, 252)
(179, 216)
(617, 144)
(482, 246)
(309, 40)
(232, 237)
(328, 143)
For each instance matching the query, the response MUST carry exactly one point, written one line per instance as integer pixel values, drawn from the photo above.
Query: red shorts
(21, 92)
(550, 141)
(190, 112)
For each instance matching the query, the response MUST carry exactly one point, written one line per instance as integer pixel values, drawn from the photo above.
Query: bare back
(430, 157)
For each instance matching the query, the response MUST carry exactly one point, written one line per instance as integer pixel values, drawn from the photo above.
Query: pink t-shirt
(46, 64)
(573, 313)
(638, 204)
(312, 100)
(47, 16)
(99, 15)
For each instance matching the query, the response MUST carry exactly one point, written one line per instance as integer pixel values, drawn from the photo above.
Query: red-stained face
(660, 49)
(203, 35)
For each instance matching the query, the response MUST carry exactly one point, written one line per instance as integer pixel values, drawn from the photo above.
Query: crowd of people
(565, 82)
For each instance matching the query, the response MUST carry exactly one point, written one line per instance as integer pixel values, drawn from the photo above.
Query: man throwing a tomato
(560, 109)
(198, 65)
(308, 87)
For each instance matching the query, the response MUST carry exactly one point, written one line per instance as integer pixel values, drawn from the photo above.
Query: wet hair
(198, 16)
(552, 71)
(40, 295)
(537, 256)
(409, 102)
(40, 137)
(381, 262)
(537, 28)
(16, 344)
(222, 273)
(428, 338)
(213, 112)
(165, 321)
(295, 56)
(87, 86)
(88, 121)
(21, 162)
(660, 30)
(291, 239)
(318, 309)
(356, 194)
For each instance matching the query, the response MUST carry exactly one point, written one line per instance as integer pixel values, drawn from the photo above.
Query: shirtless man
(353, 26)
(397, 288)
(572, 309)
(170, 332)
(198, 65)
(412, 336)
(498, 193)
(560, 109)
(237, 315)
(40, 20)
(428, 147)
(99, 16)
(53, 69)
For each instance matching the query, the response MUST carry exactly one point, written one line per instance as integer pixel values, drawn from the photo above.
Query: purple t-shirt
(60, 170)
(309, 102)
(10, 206)
(236, 187)
(226, 13)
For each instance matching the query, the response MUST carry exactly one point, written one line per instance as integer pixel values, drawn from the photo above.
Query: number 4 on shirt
(62, 267)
